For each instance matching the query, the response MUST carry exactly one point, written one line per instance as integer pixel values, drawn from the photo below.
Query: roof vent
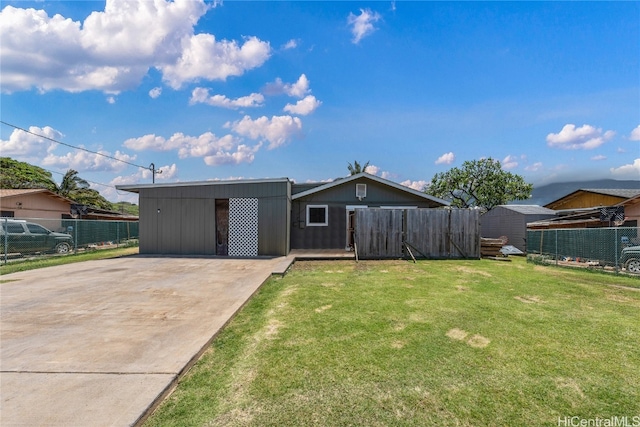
(361, 191)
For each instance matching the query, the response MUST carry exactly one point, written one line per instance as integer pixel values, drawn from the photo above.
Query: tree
(71, 184)
(77, 189)
(479, 183)
(18, 175)
(356, 168)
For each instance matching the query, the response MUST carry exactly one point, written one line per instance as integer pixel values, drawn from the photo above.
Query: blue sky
(237, 89)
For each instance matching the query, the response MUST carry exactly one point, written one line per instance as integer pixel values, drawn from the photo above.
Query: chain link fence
(615, 248)
(31, 237)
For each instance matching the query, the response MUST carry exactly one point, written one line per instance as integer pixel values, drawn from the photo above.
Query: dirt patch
(398, 344)
(272, 328)
(478, 341)
(323, 308)
(399, 327)
(571, 384)
(467, 270)
(462, 288)
(457, 334)
(529, 299)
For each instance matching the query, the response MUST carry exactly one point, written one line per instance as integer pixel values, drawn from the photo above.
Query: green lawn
(392, 343)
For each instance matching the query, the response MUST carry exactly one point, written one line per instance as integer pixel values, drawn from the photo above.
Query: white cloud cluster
(41, 150)
(635, 134)
(304, 107)
(297, 90)
(203, 57)
(201, 95)
(585, 137)
(277, 131)
(113, 50)
(509, 162)
(155, 92)
(533, 167)
(213, 149)
(446, 159)
(628, 171)
(86, 161)
(362, 25)
(419, 185)
(29, 145)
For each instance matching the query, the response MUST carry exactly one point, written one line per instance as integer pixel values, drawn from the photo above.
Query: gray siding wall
(505, 222)
(185, 223)
(334, 236)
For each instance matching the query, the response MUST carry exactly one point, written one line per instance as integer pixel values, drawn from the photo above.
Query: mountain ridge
(550, 192)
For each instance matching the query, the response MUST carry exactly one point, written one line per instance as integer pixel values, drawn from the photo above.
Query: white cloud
(21, 143)
(629, 171)
(112, 50)
(372, 169)
(599, 157)
(585, 137)
(205, 58)
(509, 162)
(291, 44)
(297, 90)
(534, 167)
(303, 107)
(213, 149)
(635, 134)
(243, 154)
(446, 159)
(111, 100)
(155, 92)
(416, 185)
(86, 161)
(362, 25)
(277, 131)
(201, 95)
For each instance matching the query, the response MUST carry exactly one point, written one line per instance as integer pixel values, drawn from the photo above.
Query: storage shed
(511, 221)
(240, 218)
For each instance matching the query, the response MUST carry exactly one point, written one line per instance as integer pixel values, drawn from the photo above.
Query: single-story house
(263, 216)
(511, 221)
(593, 208)
(33, 203)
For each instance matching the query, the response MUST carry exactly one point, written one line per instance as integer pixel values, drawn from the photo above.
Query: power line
(72, 146)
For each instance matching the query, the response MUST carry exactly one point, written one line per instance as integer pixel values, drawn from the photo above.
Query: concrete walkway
(98, 343)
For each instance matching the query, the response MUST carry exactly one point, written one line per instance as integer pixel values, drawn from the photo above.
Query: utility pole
(152, 167)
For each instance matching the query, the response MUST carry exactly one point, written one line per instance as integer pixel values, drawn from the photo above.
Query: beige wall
(632, 211)
(36, 205)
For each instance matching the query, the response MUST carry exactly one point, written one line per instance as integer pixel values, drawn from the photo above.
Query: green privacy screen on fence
(42, 236)
(597, 245)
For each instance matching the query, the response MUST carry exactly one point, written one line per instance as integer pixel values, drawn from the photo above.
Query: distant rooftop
(529, 209)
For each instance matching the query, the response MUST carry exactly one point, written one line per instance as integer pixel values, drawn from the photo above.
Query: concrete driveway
(96, 343)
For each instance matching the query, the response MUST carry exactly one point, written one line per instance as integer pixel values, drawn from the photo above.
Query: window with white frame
(317, 215)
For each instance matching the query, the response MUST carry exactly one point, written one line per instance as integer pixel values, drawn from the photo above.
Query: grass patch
(469, 343)
(32, 264)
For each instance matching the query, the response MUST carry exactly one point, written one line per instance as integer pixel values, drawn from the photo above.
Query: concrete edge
(170, 388)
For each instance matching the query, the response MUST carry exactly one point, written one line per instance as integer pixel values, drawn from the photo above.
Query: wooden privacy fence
(425, 233)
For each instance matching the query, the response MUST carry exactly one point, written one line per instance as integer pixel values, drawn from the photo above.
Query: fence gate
(429, 233)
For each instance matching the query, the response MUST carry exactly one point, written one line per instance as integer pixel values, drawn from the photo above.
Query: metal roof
(618, 192)
(372, 178)
(135, 188)
(529, 209)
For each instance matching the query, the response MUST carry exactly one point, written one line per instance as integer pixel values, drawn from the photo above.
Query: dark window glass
(317, 215)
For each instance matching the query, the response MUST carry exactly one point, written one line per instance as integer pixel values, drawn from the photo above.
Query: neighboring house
(33, 203)
(260, 217)
(589, 208)
(511, 221)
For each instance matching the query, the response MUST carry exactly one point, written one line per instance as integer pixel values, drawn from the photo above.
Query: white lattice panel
(243, 227)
